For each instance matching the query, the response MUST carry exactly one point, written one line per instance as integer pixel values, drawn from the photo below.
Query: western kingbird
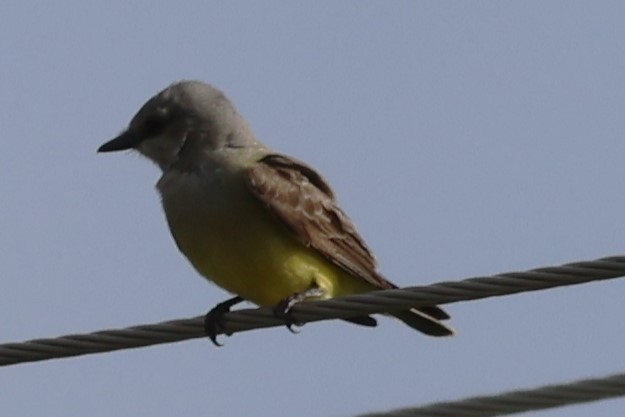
(264, 226)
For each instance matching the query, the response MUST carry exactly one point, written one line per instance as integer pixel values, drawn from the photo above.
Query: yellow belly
(248, 253)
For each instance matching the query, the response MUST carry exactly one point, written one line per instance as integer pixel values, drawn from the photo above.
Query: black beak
(126, 140)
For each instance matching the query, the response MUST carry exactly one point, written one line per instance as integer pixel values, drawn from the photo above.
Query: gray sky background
(463, 138)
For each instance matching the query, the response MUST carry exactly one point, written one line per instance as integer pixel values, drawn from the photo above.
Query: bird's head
(186, 117)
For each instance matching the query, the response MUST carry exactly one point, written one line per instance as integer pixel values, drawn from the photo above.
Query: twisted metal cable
(545, 397)
(355, 305)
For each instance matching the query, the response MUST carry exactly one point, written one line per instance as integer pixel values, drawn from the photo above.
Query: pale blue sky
(463, 138)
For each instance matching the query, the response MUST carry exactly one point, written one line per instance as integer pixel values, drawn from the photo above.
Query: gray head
(183, 119)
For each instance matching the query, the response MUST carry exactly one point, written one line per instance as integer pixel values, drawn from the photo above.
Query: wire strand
(541, 398)
(344, 307)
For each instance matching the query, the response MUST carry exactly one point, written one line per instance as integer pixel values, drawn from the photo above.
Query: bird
(264, 226)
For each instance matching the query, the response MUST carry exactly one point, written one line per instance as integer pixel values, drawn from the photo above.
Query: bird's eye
(156, 121)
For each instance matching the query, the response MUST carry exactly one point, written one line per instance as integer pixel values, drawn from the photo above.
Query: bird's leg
(283, 309)
(212, 320)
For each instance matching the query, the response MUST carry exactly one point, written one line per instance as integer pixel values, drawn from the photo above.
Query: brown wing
(301, 199)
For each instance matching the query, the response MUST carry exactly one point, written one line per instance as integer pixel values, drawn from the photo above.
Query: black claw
(283, 310)
(212, 320)
(212, 326)
(294, 330)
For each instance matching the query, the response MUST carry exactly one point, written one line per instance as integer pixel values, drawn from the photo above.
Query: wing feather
(303, 201)
(300, 199)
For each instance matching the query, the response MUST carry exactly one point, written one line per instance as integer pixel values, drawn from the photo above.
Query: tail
(427, 320)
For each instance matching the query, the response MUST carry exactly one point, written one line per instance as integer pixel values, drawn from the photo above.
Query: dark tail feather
(418, 319)
(435, 312)
(363, 321)
(423, 322)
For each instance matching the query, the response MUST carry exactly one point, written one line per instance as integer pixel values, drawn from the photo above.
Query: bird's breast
(231, 238)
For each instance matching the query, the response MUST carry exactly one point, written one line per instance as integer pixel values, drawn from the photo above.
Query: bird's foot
(212, 320)
(283, 310)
